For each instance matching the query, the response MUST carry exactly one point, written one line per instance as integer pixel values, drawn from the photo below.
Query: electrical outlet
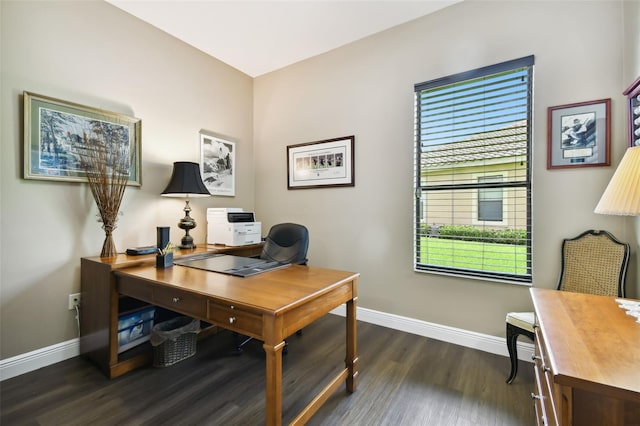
(74, 300)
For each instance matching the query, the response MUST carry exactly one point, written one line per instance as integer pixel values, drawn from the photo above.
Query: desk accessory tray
(231, 265)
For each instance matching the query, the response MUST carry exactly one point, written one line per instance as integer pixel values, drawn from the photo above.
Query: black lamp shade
(186, 181)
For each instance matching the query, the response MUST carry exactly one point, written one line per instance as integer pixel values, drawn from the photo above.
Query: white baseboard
(457, 336)
(21, 364)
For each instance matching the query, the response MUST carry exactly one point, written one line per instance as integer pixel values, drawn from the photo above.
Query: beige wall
(94, 54)
(366, 89)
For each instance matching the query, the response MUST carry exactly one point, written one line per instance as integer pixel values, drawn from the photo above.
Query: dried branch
(105, 158)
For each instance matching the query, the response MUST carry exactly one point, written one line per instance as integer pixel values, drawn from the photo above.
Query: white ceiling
(257, 37)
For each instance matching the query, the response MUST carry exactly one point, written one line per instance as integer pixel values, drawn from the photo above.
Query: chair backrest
(594, 262)
(286, 243)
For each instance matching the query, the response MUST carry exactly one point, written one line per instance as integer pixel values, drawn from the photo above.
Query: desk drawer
(538, 404)
(548, 388)
(545, 386)
(544, 399)
(181, 301)
(541, 354)
(235, 319)
(135, 289)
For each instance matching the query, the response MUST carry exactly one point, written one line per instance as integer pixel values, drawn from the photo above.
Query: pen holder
(164, 260)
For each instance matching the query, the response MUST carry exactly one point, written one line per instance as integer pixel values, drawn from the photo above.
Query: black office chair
(285, 243)
(594, 262)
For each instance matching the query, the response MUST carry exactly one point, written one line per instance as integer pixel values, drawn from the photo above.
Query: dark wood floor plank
(404, 380)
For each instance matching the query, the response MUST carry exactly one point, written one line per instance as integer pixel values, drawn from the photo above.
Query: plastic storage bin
(135, 328)
(174, 340)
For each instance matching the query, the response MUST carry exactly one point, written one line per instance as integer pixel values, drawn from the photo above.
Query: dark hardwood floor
(404, 380)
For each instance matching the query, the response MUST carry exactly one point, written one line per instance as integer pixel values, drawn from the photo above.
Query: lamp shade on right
(622, 196)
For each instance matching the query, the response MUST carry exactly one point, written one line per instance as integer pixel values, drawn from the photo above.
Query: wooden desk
(587, 360)
(269, 306)
(101, 305)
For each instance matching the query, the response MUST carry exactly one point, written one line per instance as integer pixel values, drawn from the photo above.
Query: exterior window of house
(490, 199)
(473, 176)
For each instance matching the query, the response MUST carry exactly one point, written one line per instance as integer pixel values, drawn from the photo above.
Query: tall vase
(108, 247)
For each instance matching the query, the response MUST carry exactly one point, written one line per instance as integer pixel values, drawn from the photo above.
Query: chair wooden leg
(512, 339)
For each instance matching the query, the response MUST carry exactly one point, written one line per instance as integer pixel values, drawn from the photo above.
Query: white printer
(232, 227)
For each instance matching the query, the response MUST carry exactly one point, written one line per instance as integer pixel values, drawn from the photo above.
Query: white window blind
(473, 176)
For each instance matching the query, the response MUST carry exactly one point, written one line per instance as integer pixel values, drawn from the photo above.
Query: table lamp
(622, 196)
(186, 181)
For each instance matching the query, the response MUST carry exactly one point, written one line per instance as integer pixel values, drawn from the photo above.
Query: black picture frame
(321, 164)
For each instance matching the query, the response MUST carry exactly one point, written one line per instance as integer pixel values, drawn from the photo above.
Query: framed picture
(54, 131)
(218, 164)
(633, 95)
(579, 135)
(321, 164)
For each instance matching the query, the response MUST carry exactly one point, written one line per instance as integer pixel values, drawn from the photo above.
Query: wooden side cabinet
(587, 361)
(102, 305)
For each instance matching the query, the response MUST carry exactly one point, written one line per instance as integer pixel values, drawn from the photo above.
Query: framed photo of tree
(55, 131)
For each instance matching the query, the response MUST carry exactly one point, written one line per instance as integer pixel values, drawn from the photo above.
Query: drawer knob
(232, 320)
(535, 357)
(534, 396)
(176, 299)
(546, 369)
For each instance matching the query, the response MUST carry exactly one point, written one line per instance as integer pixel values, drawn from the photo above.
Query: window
(489, 200)
(473, 175)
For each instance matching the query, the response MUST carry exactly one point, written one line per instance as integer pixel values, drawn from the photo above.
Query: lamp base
(187, 223)
(187, 242)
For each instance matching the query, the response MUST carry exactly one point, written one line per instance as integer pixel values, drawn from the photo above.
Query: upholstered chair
(594, 262)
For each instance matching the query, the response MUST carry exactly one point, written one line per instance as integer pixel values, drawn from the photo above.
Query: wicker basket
(177, 338)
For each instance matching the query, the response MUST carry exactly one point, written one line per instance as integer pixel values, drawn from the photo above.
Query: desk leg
(274, 384)
(351, 360)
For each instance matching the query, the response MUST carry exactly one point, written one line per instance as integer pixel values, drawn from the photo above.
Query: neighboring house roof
(507, 142)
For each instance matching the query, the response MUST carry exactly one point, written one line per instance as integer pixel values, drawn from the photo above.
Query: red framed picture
(579, 135)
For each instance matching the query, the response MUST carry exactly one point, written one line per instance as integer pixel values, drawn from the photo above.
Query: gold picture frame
(52, 127)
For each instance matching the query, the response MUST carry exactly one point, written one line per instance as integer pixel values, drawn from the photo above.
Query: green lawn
(505, 258)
